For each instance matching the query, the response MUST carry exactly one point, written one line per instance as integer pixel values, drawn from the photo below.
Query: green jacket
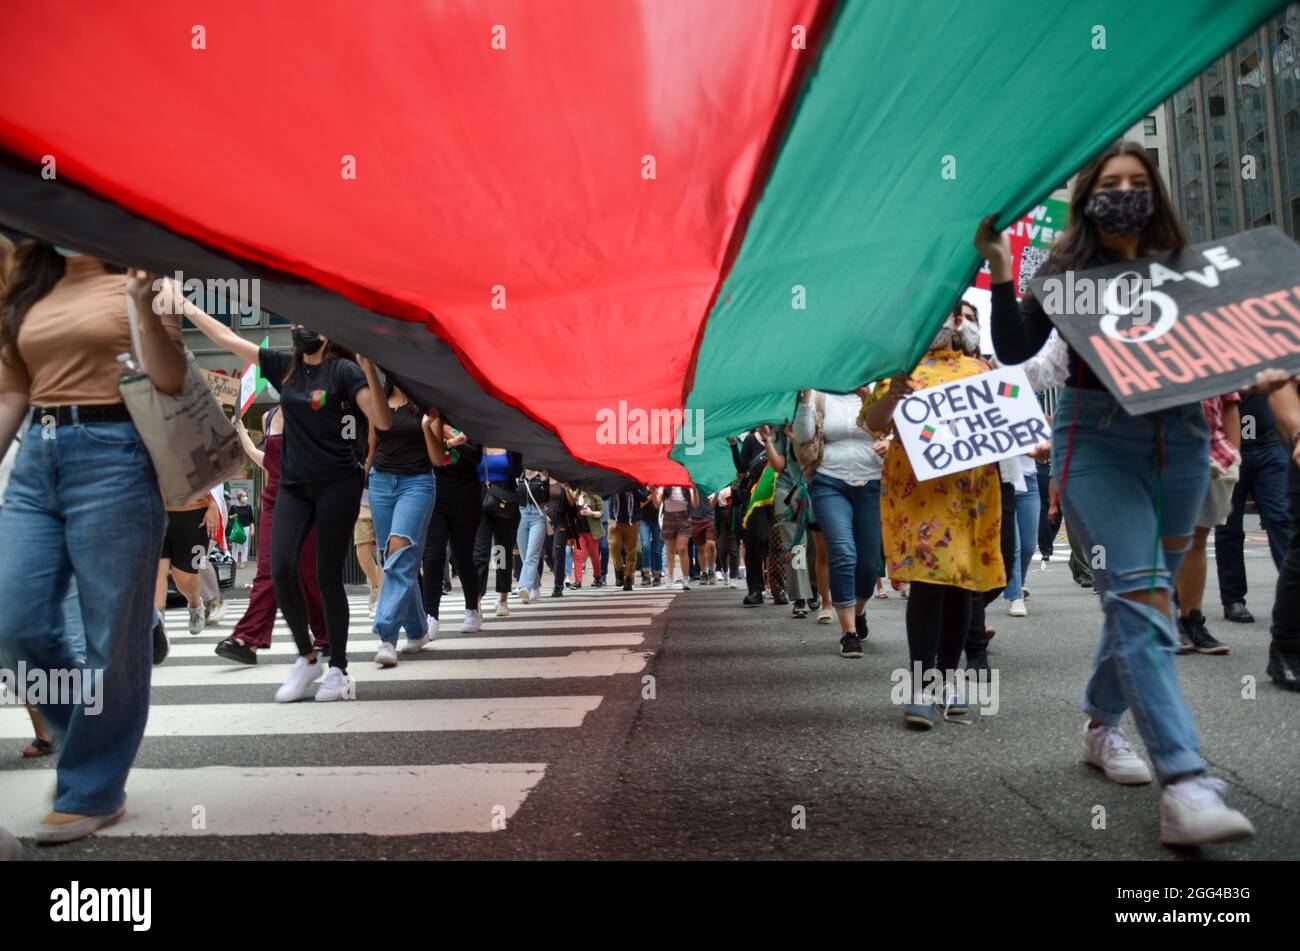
(597, 505)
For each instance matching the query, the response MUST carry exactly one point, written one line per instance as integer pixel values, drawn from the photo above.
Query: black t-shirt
(1263, 429)
(458, 475)
(242, 512)
(325, 432)
(400, 449)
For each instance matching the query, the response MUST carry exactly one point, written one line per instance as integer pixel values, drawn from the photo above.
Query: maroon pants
(254, 628)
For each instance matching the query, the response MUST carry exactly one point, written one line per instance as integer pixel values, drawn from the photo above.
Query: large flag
(528, 212)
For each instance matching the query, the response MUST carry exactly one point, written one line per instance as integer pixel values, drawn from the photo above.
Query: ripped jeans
(1123, 500)
(400, 505)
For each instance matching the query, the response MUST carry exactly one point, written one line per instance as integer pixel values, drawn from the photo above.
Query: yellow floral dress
(946, 530)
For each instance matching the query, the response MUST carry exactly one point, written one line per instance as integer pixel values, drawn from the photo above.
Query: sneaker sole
(386, 661)
(918, 723)
(851, 655)
(1227, 835)
(1220, 650)
(1121, 779)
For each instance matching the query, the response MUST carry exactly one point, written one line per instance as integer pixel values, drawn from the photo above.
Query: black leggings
(977, 641)
(756, 543)
(499, 525)
(455, 521)
(938, 617)
(559, 552)
(332, 507)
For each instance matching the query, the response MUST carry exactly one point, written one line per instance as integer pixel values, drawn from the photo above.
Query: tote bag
(192, 444)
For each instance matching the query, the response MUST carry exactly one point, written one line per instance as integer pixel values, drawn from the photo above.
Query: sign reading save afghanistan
(970, 423)
(1177, 328)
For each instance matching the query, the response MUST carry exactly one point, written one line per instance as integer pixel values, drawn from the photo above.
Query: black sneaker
(557, 593)
(627, 584)
(618, 579)
(1202, 641)
(977, 660)
(657, 582)
(161, 646)
(1284, 665)
(598, 583)
(850, 646)
(860, 621)
(753, 599)
(1237, 612)
(780, 599)
(645, 581)
(800, 608)
(1184, 641)
(446, 589)
(815, 604)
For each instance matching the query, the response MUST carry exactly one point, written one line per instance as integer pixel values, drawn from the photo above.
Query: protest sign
(1177, 328)
(224, 388)
(970, 423)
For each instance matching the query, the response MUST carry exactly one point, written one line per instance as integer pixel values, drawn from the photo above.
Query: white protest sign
(970, 423)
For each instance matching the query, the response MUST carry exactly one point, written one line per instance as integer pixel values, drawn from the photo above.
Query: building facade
(1233, 136)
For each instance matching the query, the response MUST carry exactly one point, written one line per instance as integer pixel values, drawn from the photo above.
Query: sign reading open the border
(1177, 328)
(970, 423)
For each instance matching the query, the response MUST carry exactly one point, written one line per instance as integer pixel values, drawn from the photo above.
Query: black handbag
(497, 500)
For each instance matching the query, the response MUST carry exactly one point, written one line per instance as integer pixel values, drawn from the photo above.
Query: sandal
(237, 651)
(38, 748)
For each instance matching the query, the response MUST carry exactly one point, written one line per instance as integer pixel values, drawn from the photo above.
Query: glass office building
(1234, 136)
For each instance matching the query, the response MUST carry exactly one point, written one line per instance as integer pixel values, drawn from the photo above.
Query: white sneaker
(1192, 812)
(1018, 609)
(413, 645)
(301, 676)
(431, 632)
(686, 584)
(503, 609)
(473, 622)
(386, 656)
(335, 686)
(214, 611)
(1107, 748)
(825, 616)
(524, 595)
(196, 621)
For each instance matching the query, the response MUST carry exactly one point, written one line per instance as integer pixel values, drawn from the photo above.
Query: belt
(71, 414)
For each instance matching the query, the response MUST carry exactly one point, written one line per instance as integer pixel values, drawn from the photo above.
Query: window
(1252, 119)
(1154, 156)
(1284, 32)
(1149, 125)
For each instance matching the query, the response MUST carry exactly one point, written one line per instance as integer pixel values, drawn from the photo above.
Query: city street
(538, 738)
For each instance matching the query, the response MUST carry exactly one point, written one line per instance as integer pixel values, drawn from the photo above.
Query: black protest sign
(1177, 328)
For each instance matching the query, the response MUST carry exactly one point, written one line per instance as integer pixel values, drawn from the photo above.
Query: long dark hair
(1079, 248)
(333, 351)
(36, 269)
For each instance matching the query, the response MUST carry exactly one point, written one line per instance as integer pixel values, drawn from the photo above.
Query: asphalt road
(756, 723)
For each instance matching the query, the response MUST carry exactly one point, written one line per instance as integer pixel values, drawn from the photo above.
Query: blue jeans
(652, 547)
(1028, 507)
(85, 502)
(531, 536)
(849, 518)
(1263, 475)
(1121, 506)
(401, 505)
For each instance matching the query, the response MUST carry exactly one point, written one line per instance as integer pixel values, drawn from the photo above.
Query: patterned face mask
(1119, 211)
(943, 340)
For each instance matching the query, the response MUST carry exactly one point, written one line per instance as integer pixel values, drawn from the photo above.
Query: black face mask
(307, 341)
(1120, 212)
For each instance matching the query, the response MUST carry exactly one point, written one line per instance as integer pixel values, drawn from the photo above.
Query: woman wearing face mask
(83, 493)
(242, 513)
(326, 399)
(1132, 486)
(942, 535)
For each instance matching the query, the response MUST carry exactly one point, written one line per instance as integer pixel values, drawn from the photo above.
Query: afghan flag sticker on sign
(927, 433)
(1009, 390)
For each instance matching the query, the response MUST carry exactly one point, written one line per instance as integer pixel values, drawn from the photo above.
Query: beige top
(69, 340)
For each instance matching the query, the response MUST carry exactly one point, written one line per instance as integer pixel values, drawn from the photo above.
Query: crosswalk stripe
(597, 663)
(298, 800)
(284, 646)
(379, 716)
(175, 621)
(219, 632)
